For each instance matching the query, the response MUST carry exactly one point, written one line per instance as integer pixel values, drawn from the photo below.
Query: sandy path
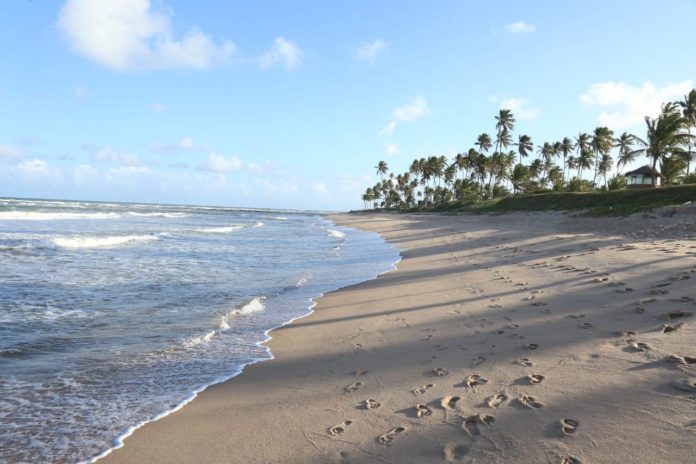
(479, 304)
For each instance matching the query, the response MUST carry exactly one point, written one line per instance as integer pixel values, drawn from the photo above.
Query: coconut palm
(665, 136)
(688, 108)
(604, 166)
(484, 143)
(566, 148)
(524, 146)
(382, 169)
(601, 143)
(582, 146)
(627, 154)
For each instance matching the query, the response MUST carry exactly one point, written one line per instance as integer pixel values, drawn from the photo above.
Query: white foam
(218, 230)
(165, 215)
(281, 218)
(301, 282)
(88, 241)
(258, 224)
(336, 234)
(40, 216)
(253, 306)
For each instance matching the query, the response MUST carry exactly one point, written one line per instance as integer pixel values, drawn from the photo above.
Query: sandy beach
(520, 338)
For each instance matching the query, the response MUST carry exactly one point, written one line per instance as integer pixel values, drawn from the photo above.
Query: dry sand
(524, 338)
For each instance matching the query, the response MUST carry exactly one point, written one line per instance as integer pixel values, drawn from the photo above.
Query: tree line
(501, 165)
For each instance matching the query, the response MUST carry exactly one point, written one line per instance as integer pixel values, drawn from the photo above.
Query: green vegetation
(479, 180)
(619, 203)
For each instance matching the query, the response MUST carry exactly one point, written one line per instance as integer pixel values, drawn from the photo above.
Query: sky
(291, 104)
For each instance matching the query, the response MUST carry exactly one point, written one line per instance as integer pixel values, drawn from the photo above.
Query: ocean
(114, 314)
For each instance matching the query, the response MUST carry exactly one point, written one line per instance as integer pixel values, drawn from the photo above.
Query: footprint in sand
(600, 279)
(477, 360)
(359, 371)
(672, 315)
(585, 325)
(512, 326)
(388, 437)
(471, 423)
(455, 452)
(677, 359)
(639, 309)
(535, 379)
(569, 426)
(683, 299)
(353, 387)
(450, 402)
(371, 404)
(525, 362)
(570, 460)
(624, 333)
(422, 389)
(474, 380)
(529, 402)
(422, 410)
(531, 346)
(497, 399)
(658, 291)
(439, 372)
(640, 346)
(686, 385)
(538, 303)
(339, 428)
(666, 328)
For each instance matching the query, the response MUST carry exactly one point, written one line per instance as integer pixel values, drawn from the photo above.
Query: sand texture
(521, 338)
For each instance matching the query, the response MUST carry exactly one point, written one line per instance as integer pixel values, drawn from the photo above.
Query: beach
(528, 337)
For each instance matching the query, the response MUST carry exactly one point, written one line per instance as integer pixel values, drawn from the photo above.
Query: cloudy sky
(291, 103)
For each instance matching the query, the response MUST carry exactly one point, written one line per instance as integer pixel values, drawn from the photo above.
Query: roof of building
(644, 170)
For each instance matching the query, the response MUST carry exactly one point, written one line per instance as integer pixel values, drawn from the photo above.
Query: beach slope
(515, 338)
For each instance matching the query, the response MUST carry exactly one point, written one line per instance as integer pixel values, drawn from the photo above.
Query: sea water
(113, 314)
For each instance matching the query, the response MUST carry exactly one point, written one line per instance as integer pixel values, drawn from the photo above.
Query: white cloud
(631, 103)
(108, 154)
(519, 108)
(256, 168)
(319, 187)
(9, 151)
(37, 168)
(392, 149)
(388, 129)
(371, 51)
(157, 107)
(413, 111)
(80, 92)
(84, 173)
(186, 143)
(130, 34)
(218, 163)
(283, 51)
(519, 27)
(127, 170)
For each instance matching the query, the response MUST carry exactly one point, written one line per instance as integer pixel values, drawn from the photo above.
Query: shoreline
(119, 441)
(280, 410)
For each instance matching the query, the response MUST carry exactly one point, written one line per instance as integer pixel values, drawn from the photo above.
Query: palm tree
(483, 141)
(524, 146)
(665, 136)
(547, 152)
(604, 166)
(566, 148)
(626, 152)
(582, 146)
(382, 169)
(688, 106)
(602, 142)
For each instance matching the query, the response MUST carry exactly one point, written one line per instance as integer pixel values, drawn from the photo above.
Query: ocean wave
(259, 224)
(301, 282)
(254, 306)
(89, 241)
(336, 234)
(165, 215)
(218, 230)
(41, 216)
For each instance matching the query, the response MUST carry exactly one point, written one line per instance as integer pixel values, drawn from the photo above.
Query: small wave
(301, 282)
(165, 215)
(40, 216)
(253, 306)
(100, 242)
(281, 218)
(336, 234)
(218, 230)
(259, 224)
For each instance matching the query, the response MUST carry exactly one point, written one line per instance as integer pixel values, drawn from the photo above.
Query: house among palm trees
(642, 178)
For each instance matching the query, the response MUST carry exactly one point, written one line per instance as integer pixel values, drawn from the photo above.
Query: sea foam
(41, 216)
(100, 242)
(336, 234)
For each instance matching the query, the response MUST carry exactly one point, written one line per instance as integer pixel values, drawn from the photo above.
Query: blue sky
(290, 104)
